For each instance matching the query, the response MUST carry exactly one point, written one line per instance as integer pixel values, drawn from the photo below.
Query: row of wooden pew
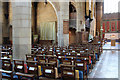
(72, 62)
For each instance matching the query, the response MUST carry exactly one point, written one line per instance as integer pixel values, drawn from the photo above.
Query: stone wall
(1, 21)
(64, 16)
(111, 22)
(46, 13)
(33, 19)
(93, 23)
(80, 16)
(72, 36)
(5, 24)
(52, 11)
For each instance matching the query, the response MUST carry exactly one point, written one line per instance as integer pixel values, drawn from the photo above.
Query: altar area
(112, 41)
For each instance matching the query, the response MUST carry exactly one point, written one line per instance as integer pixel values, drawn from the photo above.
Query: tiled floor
(107, 66)
(108, 46)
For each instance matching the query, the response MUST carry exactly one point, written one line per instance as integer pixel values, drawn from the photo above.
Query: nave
(73, 40)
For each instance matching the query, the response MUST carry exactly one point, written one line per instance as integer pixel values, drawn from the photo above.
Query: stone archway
(47, 14)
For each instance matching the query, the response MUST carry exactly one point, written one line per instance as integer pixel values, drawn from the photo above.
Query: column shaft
(21, 29)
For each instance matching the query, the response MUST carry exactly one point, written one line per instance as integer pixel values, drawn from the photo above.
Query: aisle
(107, 66)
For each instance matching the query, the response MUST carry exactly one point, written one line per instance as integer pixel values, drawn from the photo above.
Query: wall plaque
(65, 27)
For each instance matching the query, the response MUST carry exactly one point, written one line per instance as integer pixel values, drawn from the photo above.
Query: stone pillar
(93, 27)
(80, 16)
(99, 14)
(21, 29)
(1, 21)
(93, 23)
(60, 30)
(80, 20)
(64, 17)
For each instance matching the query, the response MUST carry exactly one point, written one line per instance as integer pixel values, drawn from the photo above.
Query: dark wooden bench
(50, 70)
(67, 72)
(81, 69)
(30, 57)
(32, 71)
(19, 65)
(6, 69)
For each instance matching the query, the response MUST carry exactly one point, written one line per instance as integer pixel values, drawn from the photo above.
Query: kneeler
(96, 56)
(87, 69)
(79, 75)
(5, 74)
(15, 77)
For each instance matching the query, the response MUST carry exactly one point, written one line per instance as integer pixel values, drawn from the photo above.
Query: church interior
(58, 40)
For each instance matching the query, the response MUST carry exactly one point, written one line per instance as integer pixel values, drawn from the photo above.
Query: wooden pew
(59, 55)
(70, 54)
(30, 57)
(18, 67)
(85, 58)
(50, 52)
(69, 60)
(83, 51)
(41, 58)
(50, 70)
(6, 55)
(6, 69)
(41, 52)
(53, 59)
(48, 63)
(80, 69)
(32, 71)
(6, 49)
(67, 72)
